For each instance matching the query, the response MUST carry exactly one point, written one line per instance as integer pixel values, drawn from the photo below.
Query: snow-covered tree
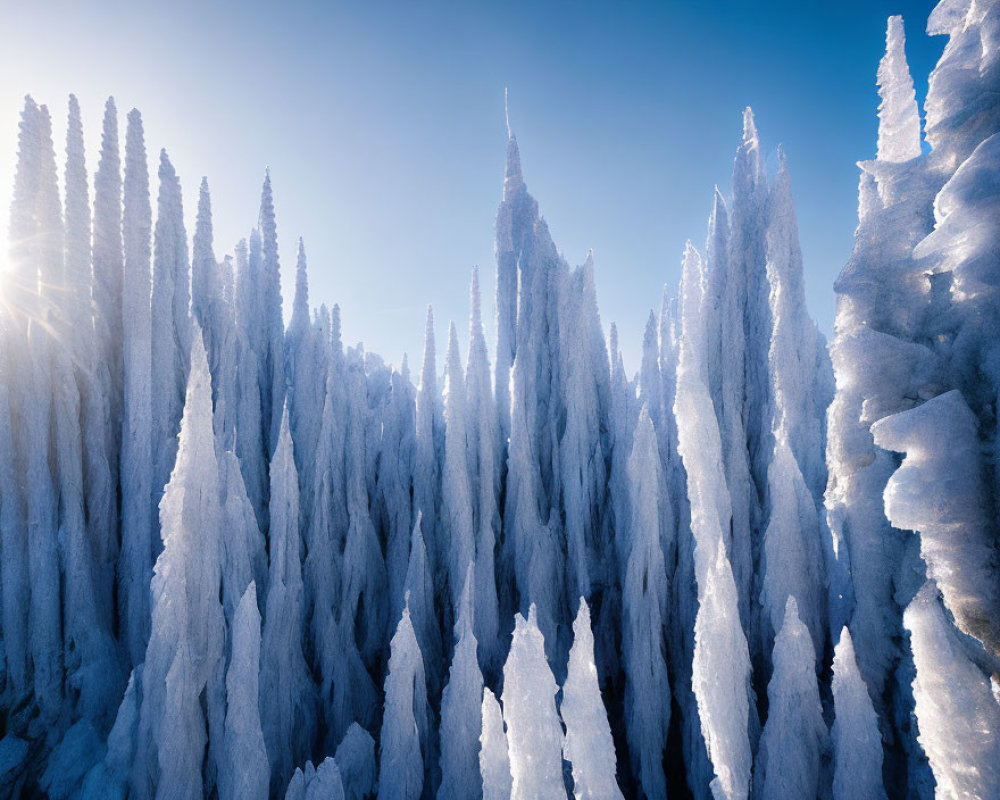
(534, 735)
(406, 719)
(587, 745)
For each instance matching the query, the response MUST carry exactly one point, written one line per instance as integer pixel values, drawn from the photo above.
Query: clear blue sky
(383, 125)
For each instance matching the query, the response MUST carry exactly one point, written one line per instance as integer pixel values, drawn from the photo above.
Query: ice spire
(426, 472)
(512, 171)
(247, 774)
(206, 279)
(188, 626)
(171, 324)
(14, 572)
(395, 482)
(88, 536)
(286, 689)
(300, 306)
(649, 374)
(529, 709)
(419, 599)
(108, 269)
(36, 256)
(250, 444)
(456, 506)
(588, 745)
(515, 230)
(403, 743)
(721, 664)
(270, 356)
(857, 742)
(644, 601)
(461, 709)
(77, 238)
(794, 739)
(356, 760)
(898, 117)
(138, 529)
(483, 469)
(494, 759)
(306, 354)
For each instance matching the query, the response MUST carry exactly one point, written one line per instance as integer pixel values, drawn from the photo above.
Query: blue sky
(383, 125)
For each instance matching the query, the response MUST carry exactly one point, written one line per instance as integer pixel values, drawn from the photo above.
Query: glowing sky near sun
(383, 125)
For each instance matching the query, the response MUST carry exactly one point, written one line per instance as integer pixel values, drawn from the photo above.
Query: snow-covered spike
(794, 740)
(287, 702)
(857, 742)
(456, 495)
(494, 758)
(475, 302)
(512, 172)
(138, 531)
(461, 709)
(403, 742)
(587, 745)
(957, 714)
(534, 734)
(206, 280)
(247, 773)
(898, 116)
(644, 601)
(356, 759)
(187, 636)
(300, 306)
(171, 322)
